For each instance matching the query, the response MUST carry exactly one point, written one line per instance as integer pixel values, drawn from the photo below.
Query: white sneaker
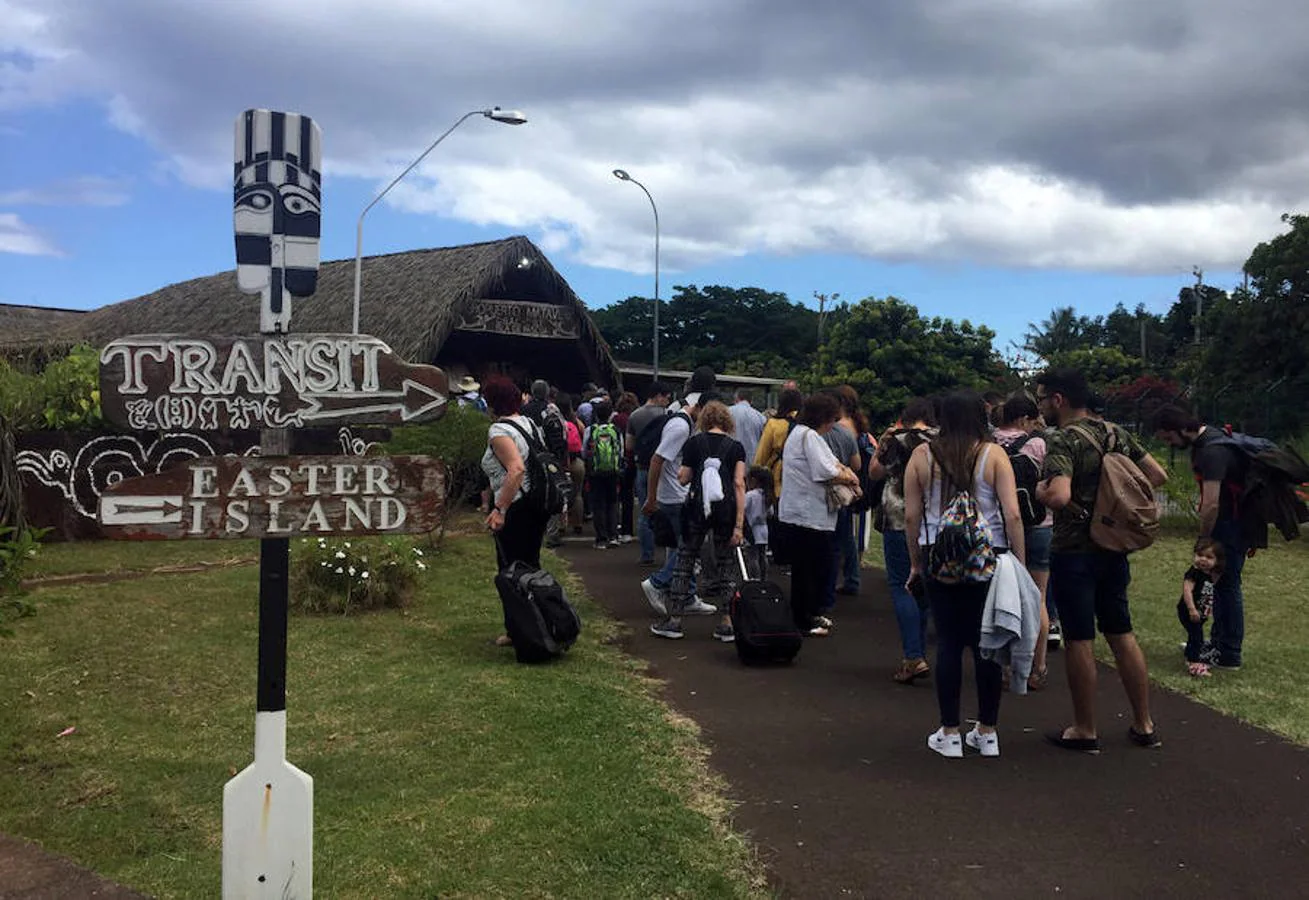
(657, 599)
(986, 744)
(950, 746)
(698, 607)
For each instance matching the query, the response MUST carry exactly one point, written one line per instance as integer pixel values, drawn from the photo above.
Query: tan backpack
(1126, 515)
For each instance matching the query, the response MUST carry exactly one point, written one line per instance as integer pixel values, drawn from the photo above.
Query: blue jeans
(663, 579)
(1228, 631)
(911, 619)
(845, 559)
(643, 532)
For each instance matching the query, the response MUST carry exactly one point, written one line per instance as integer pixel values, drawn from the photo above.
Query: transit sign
(152, 382)
(278, 497)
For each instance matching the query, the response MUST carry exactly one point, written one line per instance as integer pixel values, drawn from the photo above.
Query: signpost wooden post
(273, 381)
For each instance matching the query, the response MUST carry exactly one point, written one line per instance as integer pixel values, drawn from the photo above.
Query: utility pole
(1199, 299)
(1143, 320)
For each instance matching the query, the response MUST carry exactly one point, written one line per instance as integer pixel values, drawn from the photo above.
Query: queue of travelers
(984, 505)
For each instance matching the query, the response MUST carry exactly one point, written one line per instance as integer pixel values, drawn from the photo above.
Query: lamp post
(623, 176)
(495, 113)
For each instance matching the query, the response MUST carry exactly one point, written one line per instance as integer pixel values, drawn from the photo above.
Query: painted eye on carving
(259, 199)
(297, 200)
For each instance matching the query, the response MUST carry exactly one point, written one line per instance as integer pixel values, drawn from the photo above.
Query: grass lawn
(1272, 688)
(441, 767)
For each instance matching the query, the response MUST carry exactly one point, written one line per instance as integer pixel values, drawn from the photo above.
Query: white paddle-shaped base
(268, 822)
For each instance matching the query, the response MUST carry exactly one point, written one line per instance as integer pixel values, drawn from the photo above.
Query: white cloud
(88, 190)
(1103, 135)
(16, 236)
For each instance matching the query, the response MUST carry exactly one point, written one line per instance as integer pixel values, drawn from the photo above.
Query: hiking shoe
(601, 545)
(1054, 639)
(1227, 664)
(668, 628)
(656, 597)
(625, 539)
(697, 607)
(951, 746)
(614, 542)
(985, 744)
(724, 633)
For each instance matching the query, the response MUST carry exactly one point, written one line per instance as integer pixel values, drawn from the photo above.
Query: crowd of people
(700, 475)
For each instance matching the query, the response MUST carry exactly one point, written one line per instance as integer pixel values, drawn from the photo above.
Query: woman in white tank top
(962, 457)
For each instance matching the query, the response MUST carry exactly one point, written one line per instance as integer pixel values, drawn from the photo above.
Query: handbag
(839, 496)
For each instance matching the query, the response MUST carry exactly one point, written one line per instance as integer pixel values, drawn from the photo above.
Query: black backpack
(556, 434)
(647, 442)
(1269, 497)
(549, 485)
(722, 516)
(1026, 476)
(870, 489)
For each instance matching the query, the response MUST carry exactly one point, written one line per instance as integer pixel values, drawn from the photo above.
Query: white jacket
(1011, 620)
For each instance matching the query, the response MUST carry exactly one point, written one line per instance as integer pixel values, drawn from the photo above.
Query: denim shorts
(1090, 590)
(1038, 548)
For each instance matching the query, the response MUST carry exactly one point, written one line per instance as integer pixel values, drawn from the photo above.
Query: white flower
(352, 570)
(345, 544)
(418, 552)
(339, 570)
(422, 567)
(363, 575)
(340, 554)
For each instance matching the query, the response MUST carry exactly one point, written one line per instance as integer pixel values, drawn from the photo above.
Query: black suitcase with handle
(538, 617)
(764, 628)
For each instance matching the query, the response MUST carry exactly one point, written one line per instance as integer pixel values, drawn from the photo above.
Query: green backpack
(606, 449)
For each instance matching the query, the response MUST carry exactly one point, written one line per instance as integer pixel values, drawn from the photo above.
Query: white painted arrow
(122, 509)
(393, 401)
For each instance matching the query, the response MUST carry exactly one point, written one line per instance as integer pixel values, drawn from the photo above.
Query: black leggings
(812, 563)
(957, 611)
(519, 540)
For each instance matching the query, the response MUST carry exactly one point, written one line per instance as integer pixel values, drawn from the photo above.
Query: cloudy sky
(987, 159)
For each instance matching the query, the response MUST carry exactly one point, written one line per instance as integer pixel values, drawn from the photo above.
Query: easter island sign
(176, 382)
(292, 496)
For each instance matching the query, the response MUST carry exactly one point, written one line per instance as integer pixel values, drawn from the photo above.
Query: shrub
(458, 438)
(332, 575)
(18, 547)
(65, 395)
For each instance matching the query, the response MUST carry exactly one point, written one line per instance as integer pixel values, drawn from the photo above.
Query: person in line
(1221, 471)
(776, 430)
(749, 422)
(654, 408)
(666, 494)
(602, 450)
(576, 466)
(1020, 420)
(1197, 603)
(962, 457)
(623, 409)
(713, 518)
(844, 441)
(917, 426)
(1089, 583)
(760, 505)
(809, 467)
(517, 527)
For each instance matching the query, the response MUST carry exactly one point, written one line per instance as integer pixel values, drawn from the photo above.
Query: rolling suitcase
(538, 617)
(762, 622)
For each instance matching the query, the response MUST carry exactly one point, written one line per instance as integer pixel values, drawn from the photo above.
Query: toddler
(1197, 603)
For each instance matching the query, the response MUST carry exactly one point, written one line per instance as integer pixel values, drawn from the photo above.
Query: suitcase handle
(740, 558)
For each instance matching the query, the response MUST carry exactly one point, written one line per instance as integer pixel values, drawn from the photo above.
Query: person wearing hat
(666, 495)
(467, 389)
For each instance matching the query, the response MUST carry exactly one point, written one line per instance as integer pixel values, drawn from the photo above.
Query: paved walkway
(843, 799)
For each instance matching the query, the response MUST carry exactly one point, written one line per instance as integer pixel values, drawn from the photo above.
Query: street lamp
(495, 113)
(623, 176)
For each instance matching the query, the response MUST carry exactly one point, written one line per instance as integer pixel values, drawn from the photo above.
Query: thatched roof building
(25, 332)
(498, 306)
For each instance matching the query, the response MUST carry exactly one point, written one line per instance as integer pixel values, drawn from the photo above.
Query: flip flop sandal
(1079, 745)
(1149, 740)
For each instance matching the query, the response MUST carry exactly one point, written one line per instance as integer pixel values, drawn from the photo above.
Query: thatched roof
(24, 326)
(411, 300)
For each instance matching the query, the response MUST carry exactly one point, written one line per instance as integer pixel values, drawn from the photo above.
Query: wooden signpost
(273, 381)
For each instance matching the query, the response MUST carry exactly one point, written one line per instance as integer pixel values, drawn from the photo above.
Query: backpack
(549, 485)
(722, 509)
(556, 435)
(647, 442)
(962, 551)
(1026, 476)
(870, 489)
(1269, 496)
(606, 449)
(1125, 516)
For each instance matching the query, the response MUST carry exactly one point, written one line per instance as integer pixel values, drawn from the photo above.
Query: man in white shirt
(749, 422)
(666, 494)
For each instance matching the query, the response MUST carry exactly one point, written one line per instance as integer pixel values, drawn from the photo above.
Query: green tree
(890, 353)
(1063, 331)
